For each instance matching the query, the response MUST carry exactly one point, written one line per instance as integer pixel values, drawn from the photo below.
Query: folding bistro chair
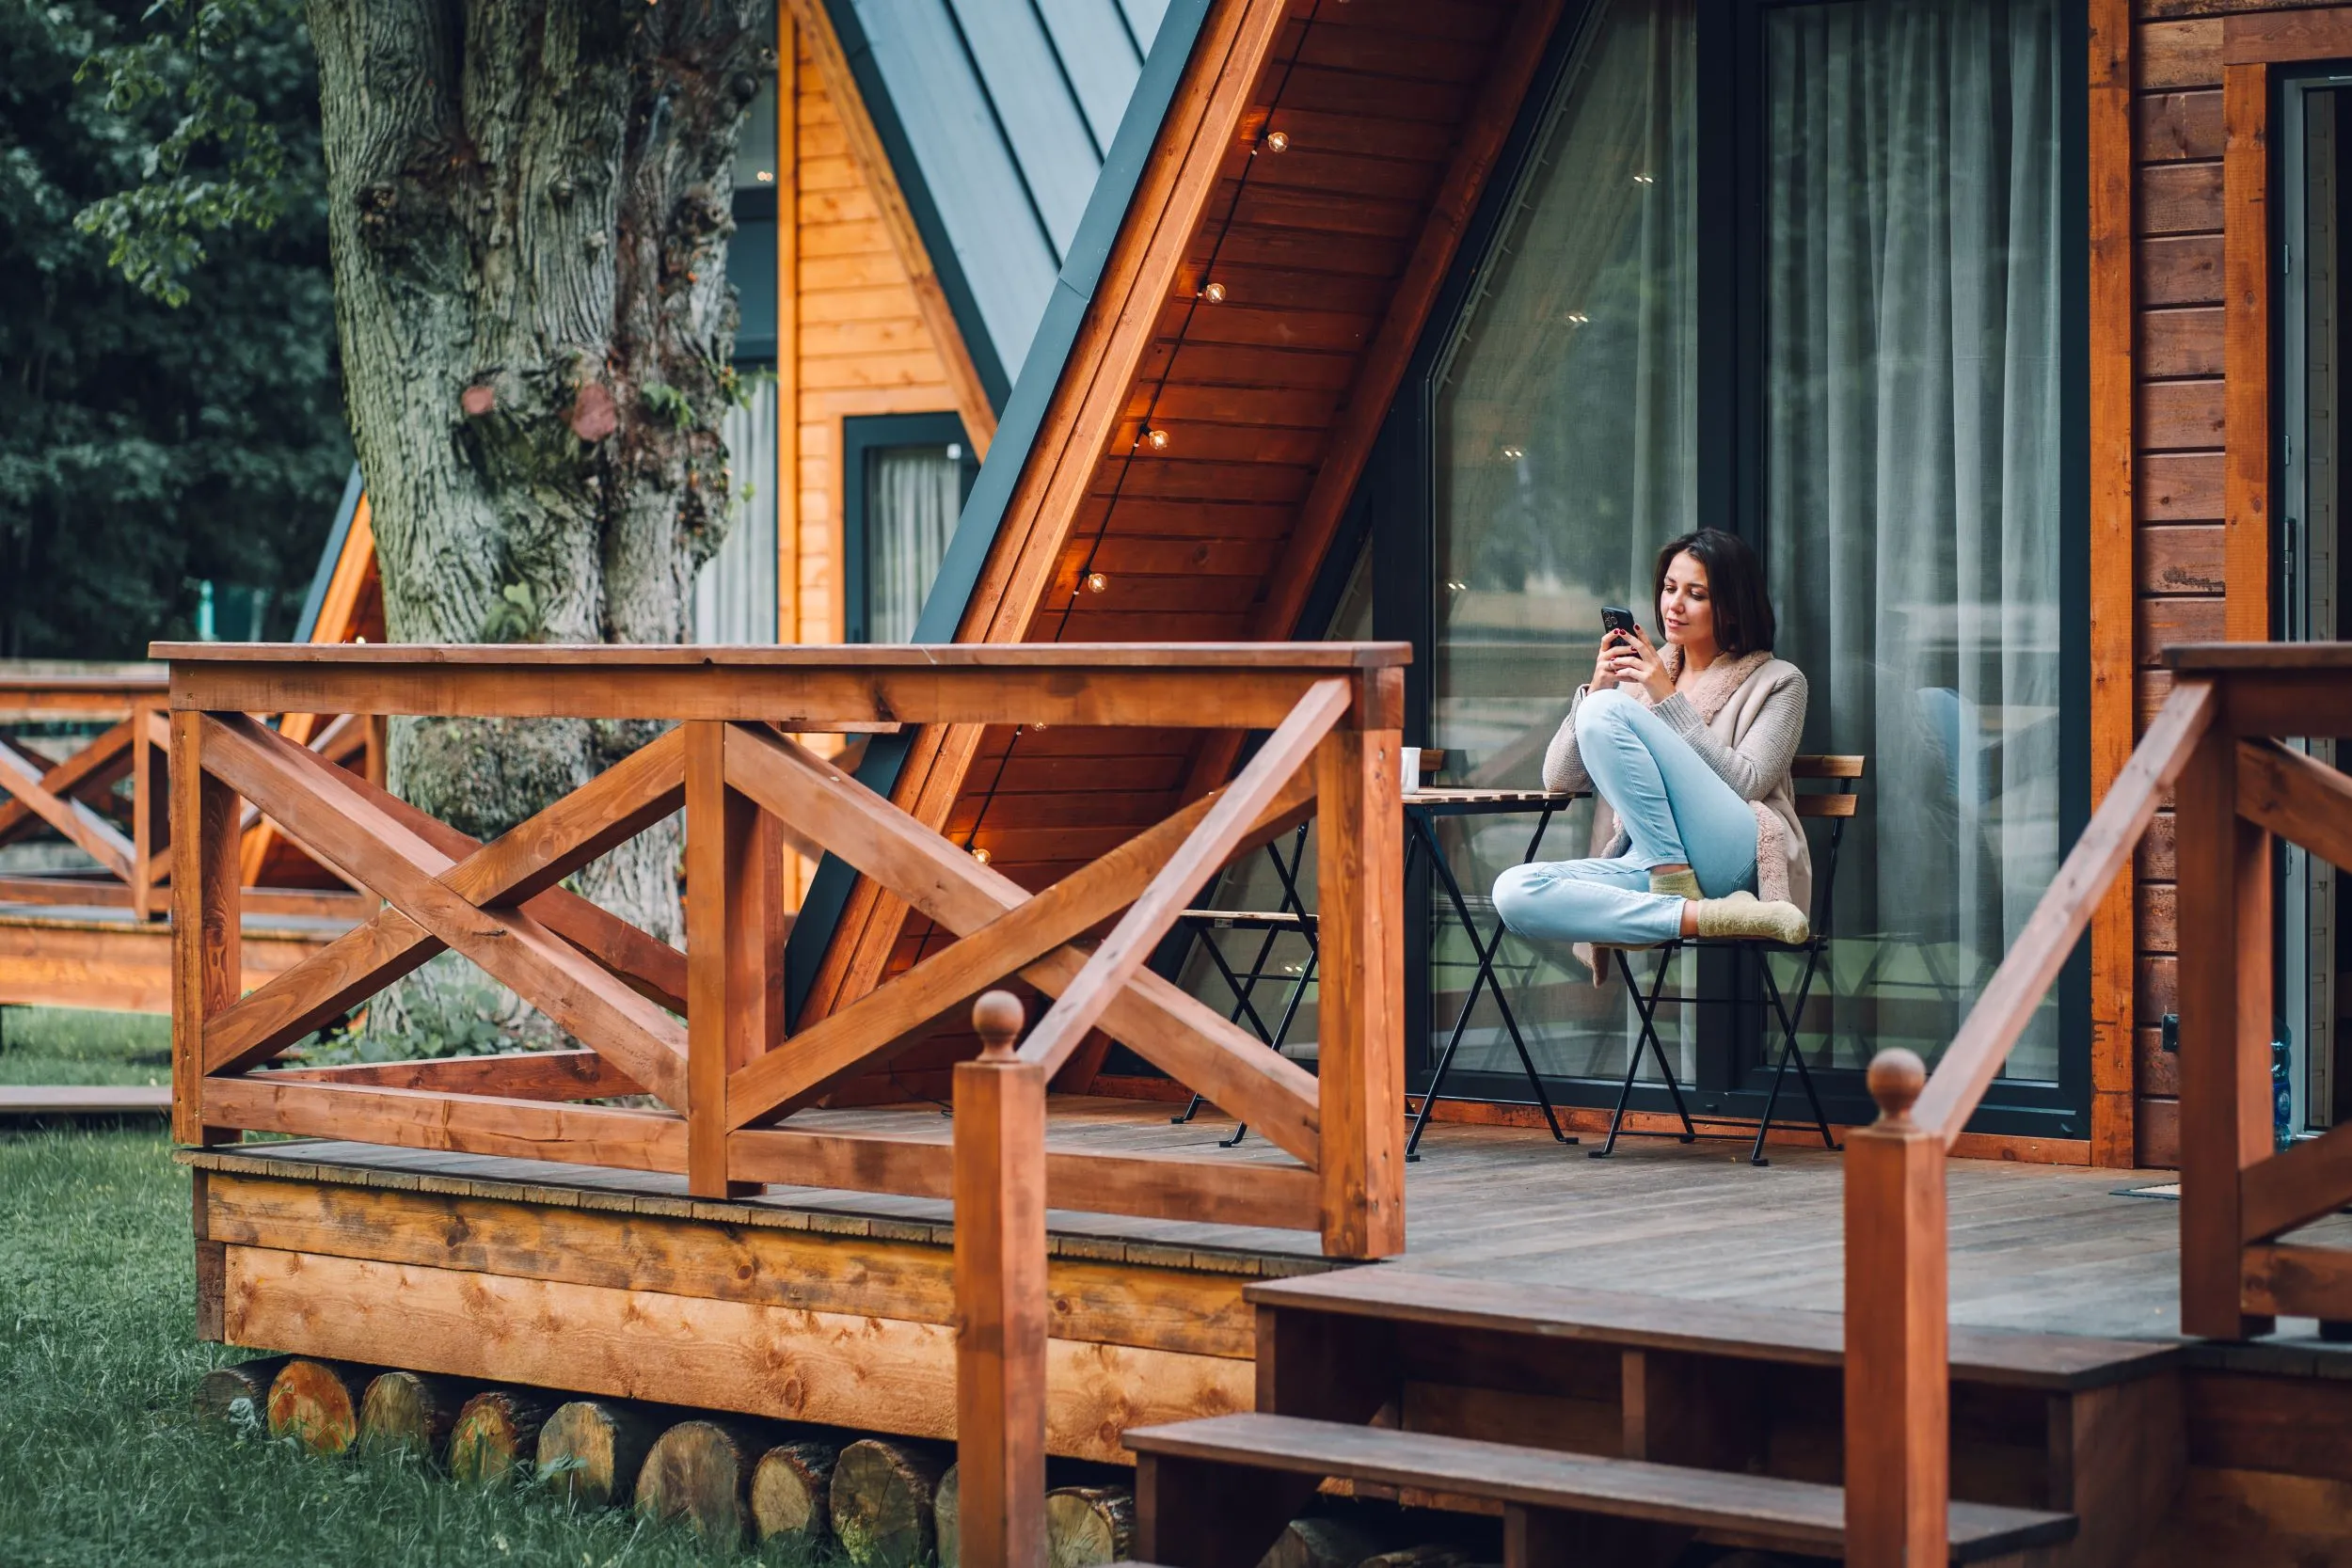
(1839, 808)
(1292, 917)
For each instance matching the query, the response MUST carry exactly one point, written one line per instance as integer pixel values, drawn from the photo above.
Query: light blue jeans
(1675, 809)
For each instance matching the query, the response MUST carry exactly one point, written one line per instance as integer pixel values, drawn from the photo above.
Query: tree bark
(701, 1471)
(218, 1390)
(791, 1492)
(529, 208)
(497, 1430)
(1087, 1527)
(882, 1497)
(597, 1447)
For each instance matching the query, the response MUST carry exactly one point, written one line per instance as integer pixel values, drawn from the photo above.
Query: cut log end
(411, 1411)
(701, 1471)
(883, 1496)
(792, 1492)
(1087, 1527)
(219, 1391)
(496, 1431)
(317, 1403)
(595, 1449)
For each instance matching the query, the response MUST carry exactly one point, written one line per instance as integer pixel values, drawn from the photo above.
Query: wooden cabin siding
(1268, 399)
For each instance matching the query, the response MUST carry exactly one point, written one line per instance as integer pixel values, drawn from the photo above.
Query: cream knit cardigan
(1745, 717)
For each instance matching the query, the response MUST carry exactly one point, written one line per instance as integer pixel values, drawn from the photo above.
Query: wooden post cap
(1896, 1078)
(997, 1016)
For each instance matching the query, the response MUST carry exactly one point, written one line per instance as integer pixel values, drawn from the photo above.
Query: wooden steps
(2053, 1362)
(1187, 1467)
(1616, 1427)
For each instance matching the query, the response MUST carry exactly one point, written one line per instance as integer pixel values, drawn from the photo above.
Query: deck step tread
(1797, 1514)
(2057, 1362)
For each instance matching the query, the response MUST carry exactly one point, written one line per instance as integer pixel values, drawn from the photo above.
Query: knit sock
(1680, 884)
(1742, 915)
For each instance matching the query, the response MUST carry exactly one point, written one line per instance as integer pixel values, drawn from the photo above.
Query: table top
(1465, 802)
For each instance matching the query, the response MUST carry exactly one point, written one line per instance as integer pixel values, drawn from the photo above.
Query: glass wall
(1566, 452)
(1896, 283)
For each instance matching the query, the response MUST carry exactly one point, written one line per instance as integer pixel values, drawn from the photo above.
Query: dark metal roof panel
(997, 115)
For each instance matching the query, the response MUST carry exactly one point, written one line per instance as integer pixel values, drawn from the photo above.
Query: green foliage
(101, 1464)
(514, 618)
(192, 65)
(671, 404)
(143, 448)
(54, 1045)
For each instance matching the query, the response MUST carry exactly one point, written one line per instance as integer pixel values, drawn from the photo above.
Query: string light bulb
(981, 855)
(1214, 294)
(1097, 582)
(1156, 439)
(1277, 141)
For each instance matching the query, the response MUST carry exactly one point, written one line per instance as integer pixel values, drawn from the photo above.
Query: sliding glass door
(1804, 271)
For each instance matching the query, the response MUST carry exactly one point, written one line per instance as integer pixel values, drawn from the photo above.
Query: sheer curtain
(735, 593)
(1914, 239)
(1566, 452)
(913, 495)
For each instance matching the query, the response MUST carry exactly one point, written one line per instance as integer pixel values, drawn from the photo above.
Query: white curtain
(1913, 241)
(913, 495)
(735, 593)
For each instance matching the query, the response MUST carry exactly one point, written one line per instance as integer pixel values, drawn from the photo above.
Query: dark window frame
(1398, 492)
(860, 435)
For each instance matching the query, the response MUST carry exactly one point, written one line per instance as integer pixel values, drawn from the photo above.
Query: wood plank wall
(2178, 427)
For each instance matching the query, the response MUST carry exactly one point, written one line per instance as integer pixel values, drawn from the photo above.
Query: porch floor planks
(2038, 1247)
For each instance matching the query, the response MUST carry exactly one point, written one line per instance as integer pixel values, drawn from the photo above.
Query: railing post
(207, 932)
(2224, 872)
(731, 946)
(1000, 1297)
(1897, 1373)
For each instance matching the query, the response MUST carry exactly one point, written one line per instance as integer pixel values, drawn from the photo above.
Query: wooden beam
(1360, 897)
(2297, 797)
(2298, 1282)
(96, 765)
(1193, 1188)
(786, 479)
(898, 220)
(2245, 304)
(327, 809)
(2308, 1181)
(82, 826)
(514, 1075)
(207, 927)
(1204, 852)
(2223, 869)
(459, 1124)
(2113, 398)
(2278, 38)
(150, 809)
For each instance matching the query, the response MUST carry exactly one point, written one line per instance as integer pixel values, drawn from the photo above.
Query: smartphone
(1614, 619)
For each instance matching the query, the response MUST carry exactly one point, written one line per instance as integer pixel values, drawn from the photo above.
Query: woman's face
(1684, 608)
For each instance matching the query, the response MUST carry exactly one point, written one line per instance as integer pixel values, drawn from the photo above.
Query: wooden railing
(2216, 738)
(75, 794)
(731, 1075)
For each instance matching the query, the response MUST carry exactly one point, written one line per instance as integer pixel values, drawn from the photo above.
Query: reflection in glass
(1565, 454)
(1913, 241)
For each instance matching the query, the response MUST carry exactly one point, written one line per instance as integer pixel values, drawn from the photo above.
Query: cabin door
(2315, 957)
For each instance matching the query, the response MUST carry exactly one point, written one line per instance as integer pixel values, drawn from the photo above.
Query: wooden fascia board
(843, 86)
(1183, 128)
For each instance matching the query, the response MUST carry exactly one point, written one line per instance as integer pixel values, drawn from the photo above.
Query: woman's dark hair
(1735, 586)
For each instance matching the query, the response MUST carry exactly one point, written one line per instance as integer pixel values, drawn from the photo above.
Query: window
(735, 593)
(1802, 271)
(906, 476)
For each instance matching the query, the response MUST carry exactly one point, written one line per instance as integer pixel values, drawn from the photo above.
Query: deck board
(2048, 1248)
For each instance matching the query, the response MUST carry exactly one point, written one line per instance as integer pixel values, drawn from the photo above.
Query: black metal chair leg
(1282, 1033)
(1647, 1008)
(1632, 1063)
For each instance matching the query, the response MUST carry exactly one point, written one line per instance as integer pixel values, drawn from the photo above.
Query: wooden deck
(2044, 1248)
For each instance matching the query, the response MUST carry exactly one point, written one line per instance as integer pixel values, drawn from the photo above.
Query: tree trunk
(1320, 1543)
(882, 1497)
(792, 1492)
(218, 1390)
(701, 1471)
(597, 1447)
(497, 1430)
(528, 208)
(317, 1402)
(1087, 1527)
(411, 1410)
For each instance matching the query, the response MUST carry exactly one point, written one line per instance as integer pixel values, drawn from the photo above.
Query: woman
(1688, 748)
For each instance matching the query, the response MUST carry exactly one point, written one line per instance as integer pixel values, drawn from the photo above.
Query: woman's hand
(1605, 666)
(1630, 656)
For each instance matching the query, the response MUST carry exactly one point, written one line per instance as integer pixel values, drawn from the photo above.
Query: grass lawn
(101, 1461)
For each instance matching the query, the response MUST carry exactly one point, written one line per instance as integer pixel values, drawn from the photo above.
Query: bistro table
(1422, 807)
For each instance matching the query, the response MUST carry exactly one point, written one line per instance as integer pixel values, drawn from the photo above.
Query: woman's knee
(1608, 708)
(1516, 890)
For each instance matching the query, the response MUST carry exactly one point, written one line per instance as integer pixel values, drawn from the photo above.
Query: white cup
(1408, 769)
